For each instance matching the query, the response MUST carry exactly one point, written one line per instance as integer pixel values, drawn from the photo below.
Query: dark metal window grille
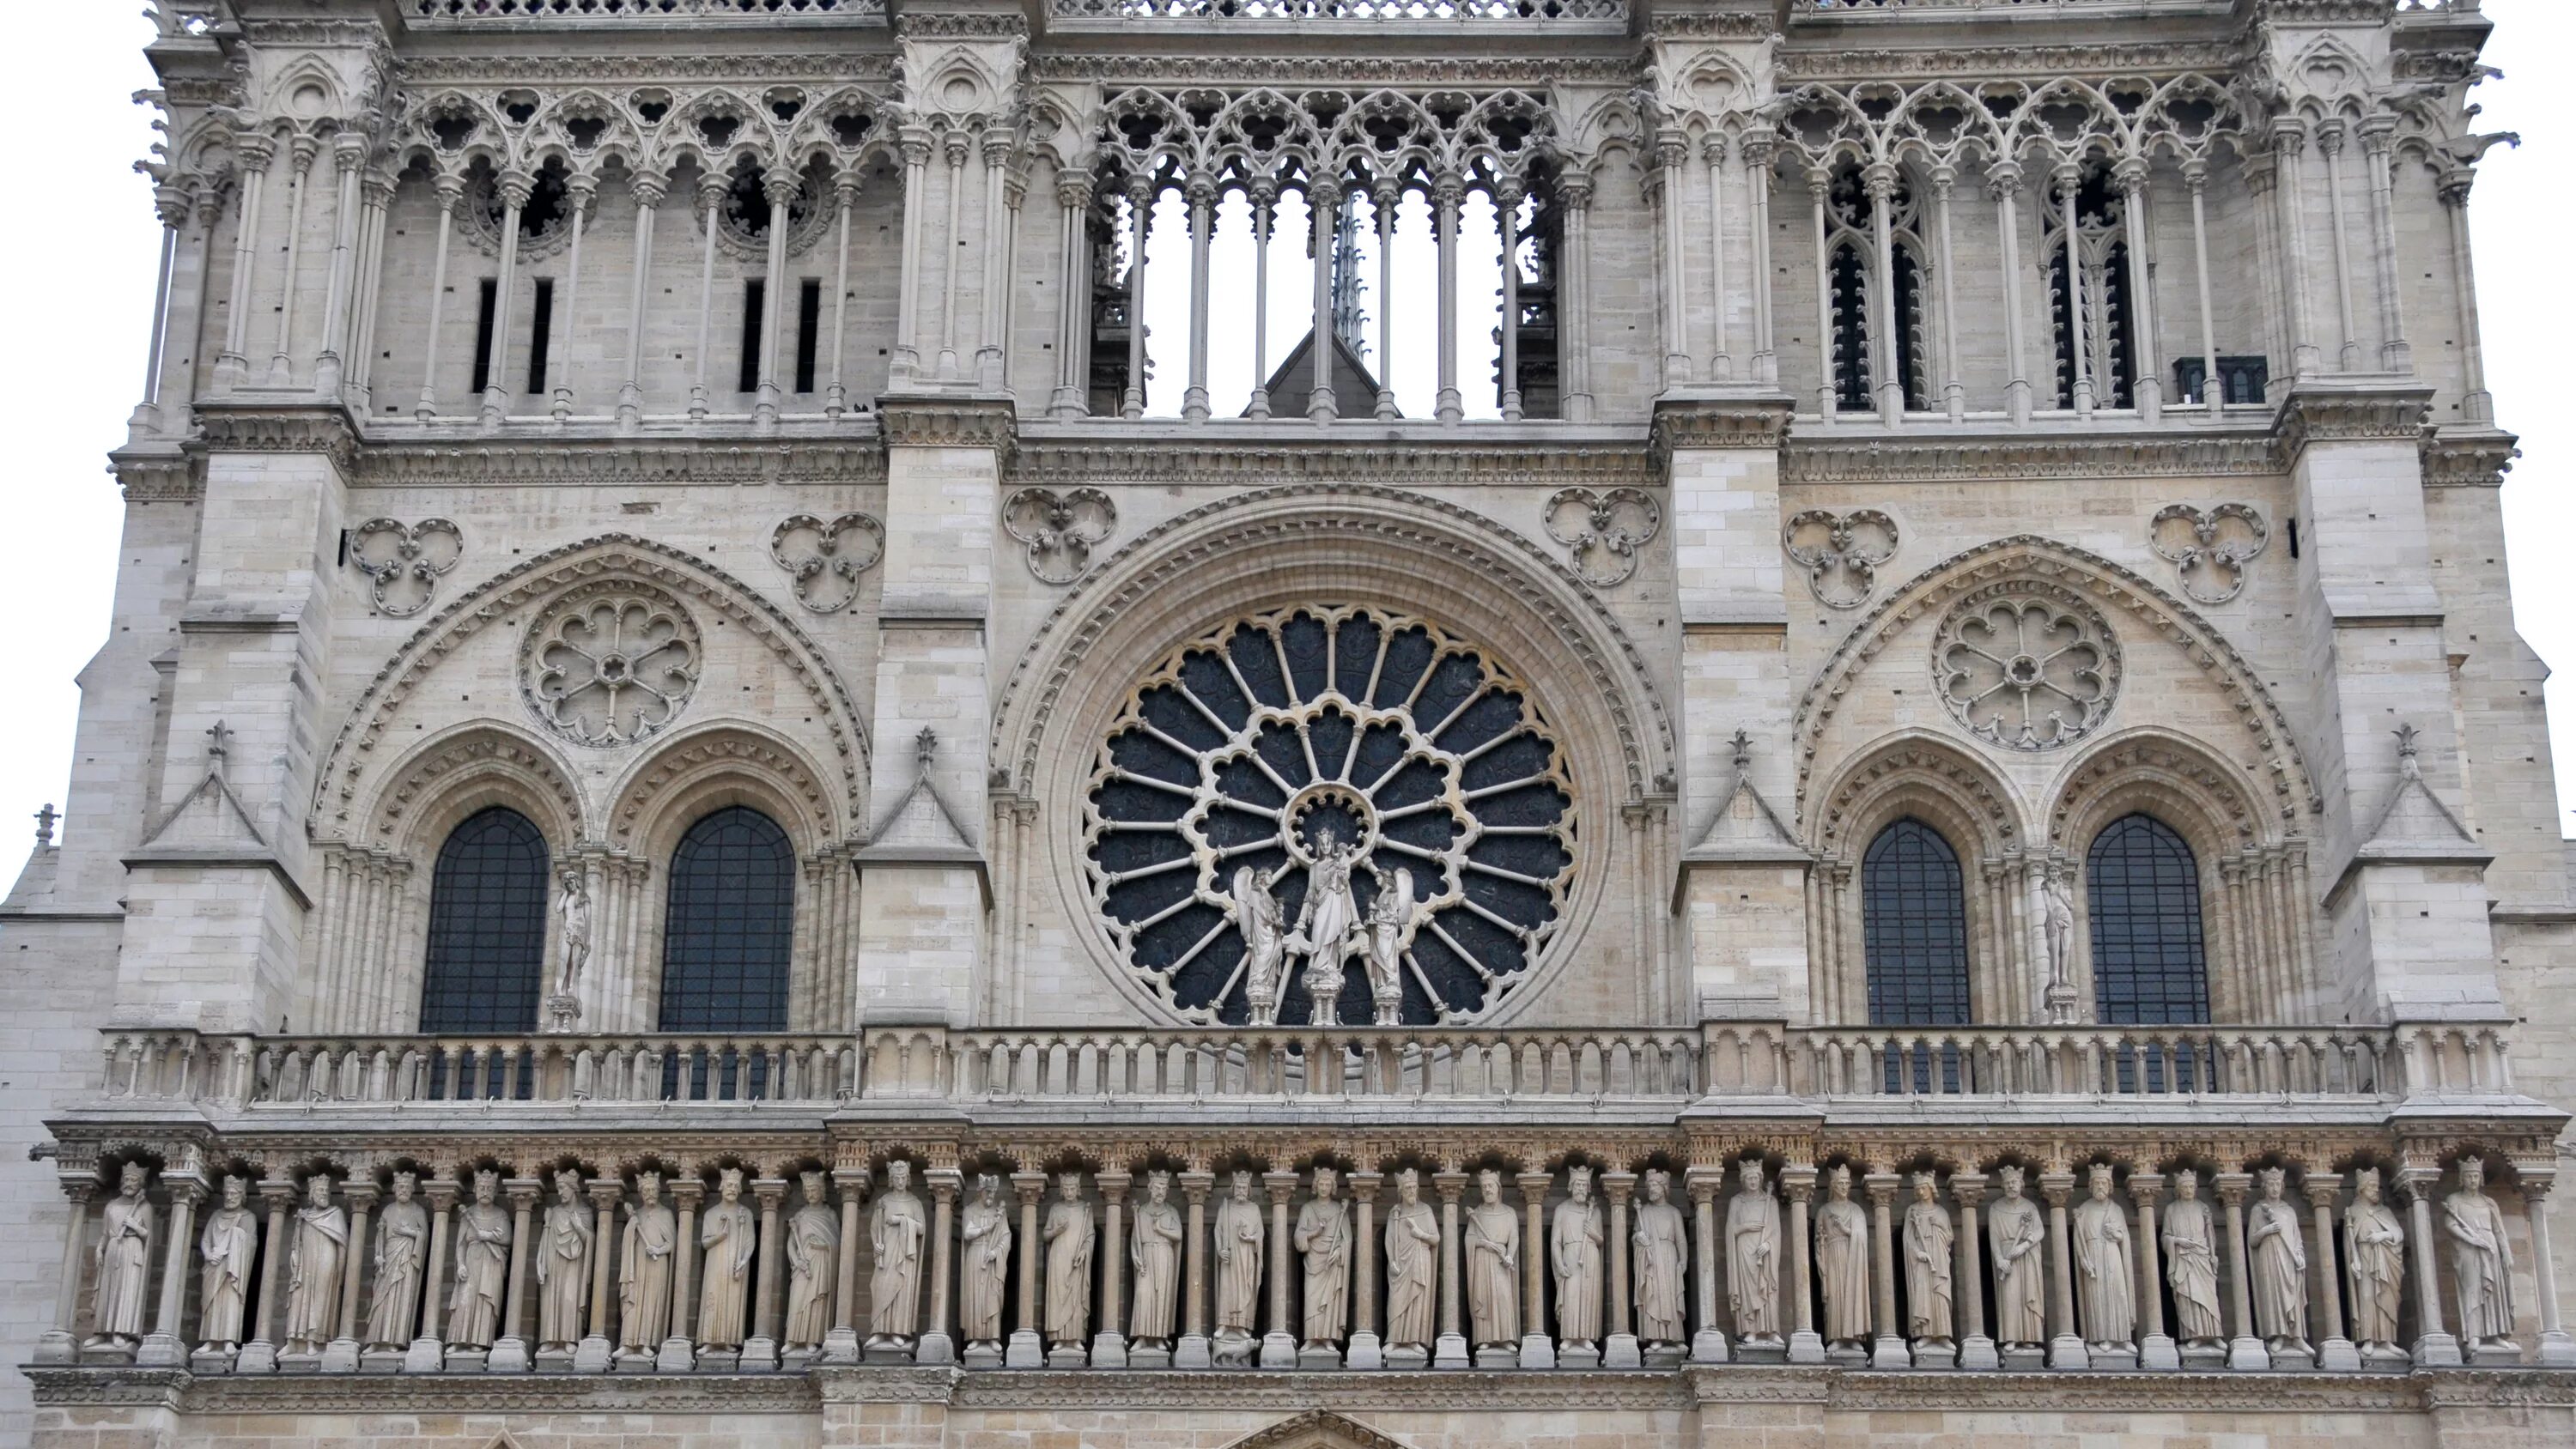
(1914, 937)
(487, 927)
(2142, 893)
(729, 924)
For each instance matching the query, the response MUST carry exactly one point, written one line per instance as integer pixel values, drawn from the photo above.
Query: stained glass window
(726, 935)
(487, 927)
(2142, 893)
(1914, 928)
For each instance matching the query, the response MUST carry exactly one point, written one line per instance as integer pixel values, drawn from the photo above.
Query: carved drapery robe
(1069, 1234)
(1412, 1274)
(1574, 1240)
(2481, 1263)
(813, 1251)
(644, 1278)
(1842, 1268)
(2103, 1270)
(896, 1231)
(228, 1247)
(313, 1274)
(2280, 1276)
(1662, 1259)
(2021, 1286)
(402, 1248)
(1323, 1235)
(124, 1266)
(1154, 1250)
(563, 1273)
(1239, 1235)
(482, 1266)
(2375, 1248)
(1929, 1294)
(728, 1234)
(987, 1232)
(1753, 1264)
(1493, 1239)
(2191, 1270)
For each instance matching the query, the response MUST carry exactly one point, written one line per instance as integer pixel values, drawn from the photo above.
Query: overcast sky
(80, 250)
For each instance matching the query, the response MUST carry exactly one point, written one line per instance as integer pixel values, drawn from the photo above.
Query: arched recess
(1918, 776)
(367, 936)
(681, 781)
(2256, 901)
(1345, 543)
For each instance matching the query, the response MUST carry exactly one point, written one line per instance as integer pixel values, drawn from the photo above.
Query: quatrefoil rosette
(2209, 549)
(403, 561)
(2026, 665)
(610, 662)
(824, 558)
(1059, 529)
(1602, 531)
(1247, 747)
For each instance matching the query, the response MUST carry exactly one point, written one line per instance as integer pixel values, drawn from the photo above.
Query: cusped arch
(457, 772)
(529, 584)
(2152, 770)
(2144, 610)
(1918, 774)
(724, 762)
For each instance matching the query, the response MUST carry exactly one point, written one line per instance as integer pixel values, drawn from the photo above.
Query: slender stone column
(1279, 1345)
(779, 187)
(2335, 1353)
(2070, 182)
(1265, 201)
(1323, 209)
(1758, 178)
(1828, 389)
(841, 1341)
(1708, 1342)
(711, 197)
(1109, 1339)
(61, 1343)
(1192, 1351)
(1619, 1347)
(592, 1354)
(2065, 1346)
(914, 142)
(2377, 136)
(1537, 1349)
(2146, 382)
(163, 1347)
(1879, 181)
(1976, 1349)
(845, 196)
(2434, 1348)
(1507, 222)
(649, 187)
(2156, 1348)
(2557, 1349)
(348, 158)
(2213, 393)
(2003, 182)
(2289, 140)
(937, 1344)
(679, 1351)
(760, 1351)
(259, 1356)
(1384, 200)
(300, 152)
(1072, 384)
(1194, 400)
(255, 153)
(1890, 1351)
(1721, 358)
(1954, 391)
(1140, 219)
(581, 194)
(340, 1355)
(451, 195)
(993, 149)
(1026, 1349)
(427, 1353)
(1574, 299)
(2245, 1350)
(376, 190)
(1671, 192)
(1365, 1350)
(1446, 194)
(509, 1352)
(1451, 1351)
(2476, 404)
(516, 188)
(2330, 141)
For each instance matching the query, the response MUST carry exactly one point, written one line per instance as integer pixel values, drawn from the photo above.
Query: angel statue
(1265, 941)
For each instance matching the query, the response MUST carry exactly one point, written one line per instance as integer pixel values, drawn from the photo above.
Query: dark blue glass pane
(487, 927)
(729, 926)
(2142, 893)
(1914, 928)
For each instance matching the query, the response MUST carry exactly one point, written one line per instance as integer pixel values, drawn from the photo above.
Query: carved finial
(1743, 750)
(925, 746)
(45, 819)
(2406, 748)
(218, 744)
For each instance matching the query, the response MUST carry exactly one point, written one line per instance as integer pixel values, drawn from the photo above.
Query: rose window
(610, 668)
(2025, 668)
(1311, 744)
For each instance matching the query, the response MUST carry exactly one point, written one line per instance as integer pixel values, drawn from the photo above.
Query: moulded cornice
(1991, 62)
(1663, 23)
(1325, 459)
(1759, 422)
(920, 24)
(481, 464)
(1882, 459)
(1454, 1391)
(300, 427)
(159, 477)
(484, 68)
(945, 422)
(2328, 12)
(1165, 68)
(2468, 460)
(2392, 414)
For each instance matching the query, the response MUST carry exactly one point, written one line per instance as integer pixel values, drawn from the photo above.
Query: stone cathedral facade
(955, 724)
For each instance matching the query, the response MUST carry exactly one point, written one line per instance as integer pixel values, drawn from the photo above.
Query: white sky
(81, 250)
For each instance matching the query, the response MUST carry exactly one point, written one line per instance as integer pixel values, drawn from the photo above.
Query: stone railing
(1307, 11)
(1389, 1065)
(1880, 7)
(637, 12)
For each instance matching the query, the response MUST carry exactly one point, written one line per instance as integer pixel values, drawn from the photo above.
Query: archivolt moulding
(721, 749)
(524, 767)
(2117, 591)
(2207, 783)
(538, 580)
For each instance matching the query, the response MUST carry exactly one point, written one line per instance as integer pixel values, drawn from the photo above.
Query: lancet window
(487, 927)
(2091, 310)
(1879, 324)
(729, 925)
(1914, 928)
(2142, 895)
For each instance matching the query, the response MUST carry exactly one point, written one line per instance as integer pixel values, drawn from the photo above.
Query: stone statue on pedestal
(986, 1231)
(1412, 1266)
(1842, 1263)
(2374, 1241)
(897, 1231)
(1661, 1241)
(124, 1263)
(2280, 1270)
(313, 1268)
(228, 1247)
(644, 1269)
(813, 1256)
(1323, 1236)
(1155, 1253)
(1753, 1257)
(1069, 1234)
(2481, 1261)
(1390, 919)
(563, 1265)
(2103, 1267)
(2017, 1235)
(1240, 1234)
(1265, 944)
(1493, 1242)
(482, 1265)
(1929, 1241)
(1574, 1248)
(2191, 1262)
(728, 1235)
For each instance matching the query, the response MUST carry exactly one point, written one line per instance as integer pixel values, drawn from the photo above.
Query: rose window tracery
(2025, 667)
(610, 664)
(1261, 765)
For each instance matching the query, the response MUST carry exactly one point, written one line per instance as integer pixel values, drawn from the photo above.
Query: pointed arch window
(729, 925)
(1862, 355)
(2142, 895)
(1914, 928)
(2102, 253)
(487, 927)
